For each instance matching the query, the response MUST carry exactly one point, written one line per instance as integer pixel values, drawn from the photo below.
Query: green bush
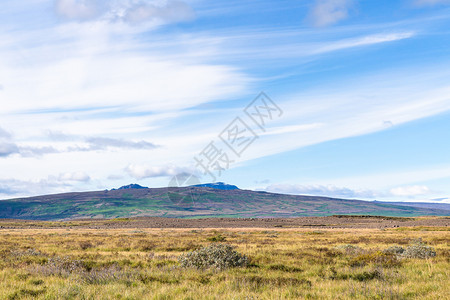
(218, 256)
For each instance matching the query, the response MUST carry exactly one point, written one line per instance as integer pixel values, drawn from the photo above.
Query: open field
(303, 222)
(91, 260)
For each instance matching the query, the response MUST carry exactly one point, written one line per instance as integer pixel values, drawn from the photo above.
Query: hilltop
(194, 202)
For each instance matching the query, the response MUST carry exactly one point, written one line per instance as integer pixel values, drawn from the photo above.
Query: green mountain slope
(194, 202)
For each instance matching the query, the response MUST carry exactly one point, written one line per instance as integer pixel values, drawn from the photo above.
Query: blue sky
(98, 94)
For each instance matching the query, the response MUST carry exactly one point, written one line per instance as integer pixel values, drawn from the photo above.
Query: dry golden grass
(77, 263)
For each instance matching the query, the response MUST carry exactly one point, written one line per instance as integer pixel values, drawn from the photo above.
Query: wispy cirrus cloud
(101, 143)
(365, 41)
(95, 143)
(9, 147)
(101, 72)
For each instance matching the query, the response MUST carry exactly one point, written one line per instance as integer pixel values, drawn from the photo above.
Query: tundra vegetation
(238, 263)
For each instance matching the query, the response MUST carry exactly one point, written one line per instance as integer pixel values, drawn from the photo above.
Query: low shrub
(217, 238)
(27, 293)
(218, 256)
(365, 276)
(419, 250)
(103, 276)
(24, 253)
(84, 245)
(36, 281)
(358, 276)
(350, 249)
(59, 266)
(260, 281)
(145, 245)
(378, 258)
(397, 250)
(284, 268)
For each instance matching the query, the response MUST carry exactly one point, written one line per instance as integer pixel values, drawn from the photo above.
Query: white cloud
(4, 134)
(94, 143)
(398, 178)
(413, 190)
(14, 188)
(320, 190)
(172, 11)
(74, 176)
(99, 78)
(7, 149)
(29, 151)
(130, 11)
(129, 79)
(78, 9)
(441, 200)
(329, 12)
(145, 171)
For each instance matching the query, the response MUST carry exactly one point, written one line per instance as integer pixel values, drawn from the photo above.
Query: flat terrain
(309, 258)
(305, 222)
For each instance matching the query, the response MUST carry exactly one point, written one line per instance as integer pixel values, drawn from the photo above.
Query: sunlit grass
(284, 264)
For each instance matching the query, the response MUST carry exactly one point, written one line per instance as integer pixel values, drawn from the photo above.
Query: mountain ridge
(217, 185)
(194, 202)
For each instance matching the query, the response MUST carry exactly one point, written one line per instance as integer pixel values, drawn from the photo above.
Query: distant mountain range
(132, 186)
(219, 186)
(215, 185)
(206, 200)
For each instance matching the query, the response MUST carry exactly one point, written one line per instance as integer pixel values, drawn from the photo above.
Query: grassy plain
(291, 263)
